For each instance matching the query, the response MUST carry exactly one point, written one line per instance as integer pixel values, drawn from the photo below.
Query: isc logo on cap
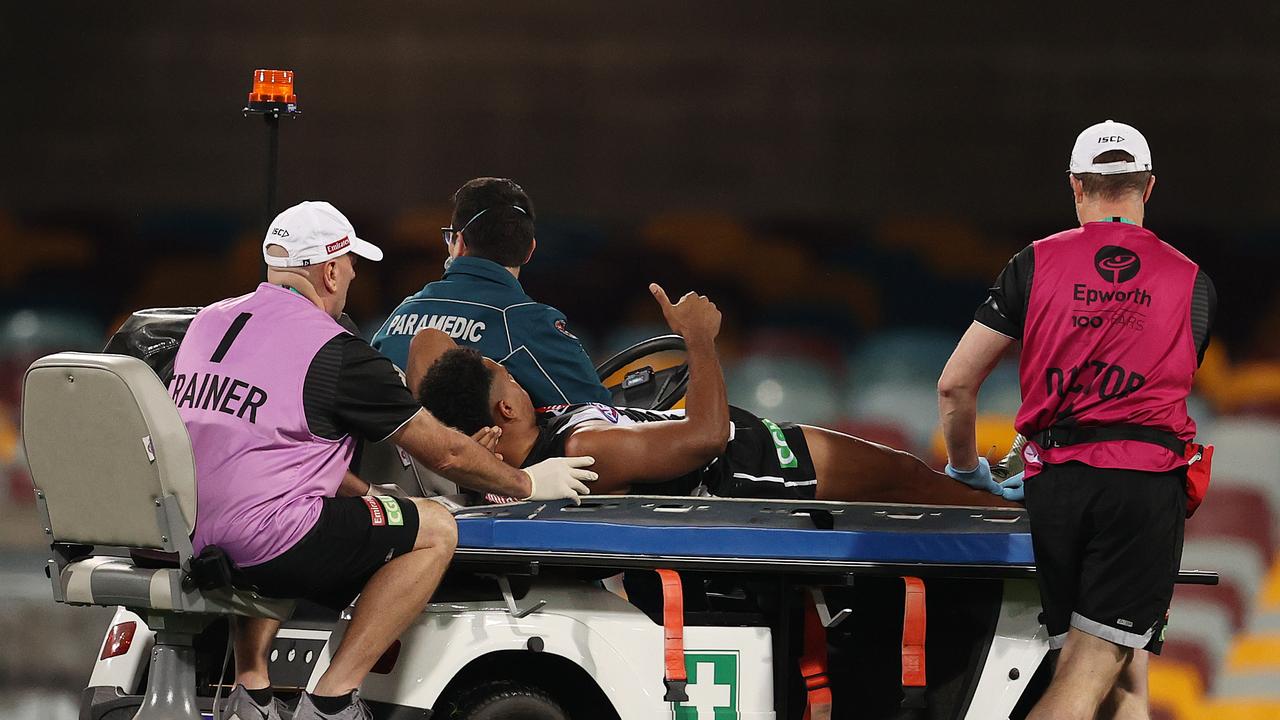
(1085, 153)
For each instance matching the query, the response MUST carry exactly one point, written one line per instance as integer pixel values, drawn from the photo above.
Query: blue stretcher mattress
(647, 526)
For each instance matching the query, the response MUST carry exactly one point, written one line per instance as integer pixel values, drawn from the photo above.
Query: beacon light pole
(272, 97)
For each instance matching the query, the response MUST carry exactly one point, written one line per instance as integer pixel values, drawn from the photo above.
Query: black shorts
(763, 460)
(1108, 545)
(352, 539)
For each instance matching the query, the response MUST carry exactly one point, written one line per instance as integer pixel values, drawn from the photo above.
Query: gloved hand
(560, 477)
(1012, 488)
(979, 478)
(390, 489)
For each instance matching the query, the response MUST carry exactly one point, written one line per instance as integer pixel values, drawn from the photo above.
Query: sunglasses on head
(449, 232)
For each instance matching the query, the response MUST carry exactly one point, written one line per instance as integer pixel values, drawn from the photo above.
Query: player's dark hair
(503, 234)
(1114, 187)
(456, 390)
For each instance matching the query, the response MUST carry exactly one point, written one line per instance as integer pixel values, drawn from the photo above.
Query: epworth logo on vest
(1116, 264)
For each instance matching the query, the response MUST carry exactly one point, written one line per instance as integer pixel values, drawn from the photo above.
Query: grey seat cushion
(110, 580)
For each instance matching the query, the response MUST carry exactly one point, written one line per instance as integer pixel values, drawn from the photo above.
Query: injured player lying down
(710, 448)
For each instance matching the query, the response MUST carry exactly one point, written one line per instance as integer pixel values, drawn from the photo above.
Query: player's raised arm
(657, 451)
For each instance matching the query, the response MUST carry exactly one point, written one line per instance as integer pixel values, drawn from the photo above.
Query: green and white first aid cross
(713, 687)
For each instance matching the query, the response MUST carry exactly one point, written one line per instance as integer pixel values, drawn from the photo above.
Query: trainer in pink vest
(1108, 341)
(238, 378)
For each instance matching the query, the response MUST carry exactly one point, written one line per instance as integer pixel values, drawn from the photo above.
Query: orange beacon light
(272, 93)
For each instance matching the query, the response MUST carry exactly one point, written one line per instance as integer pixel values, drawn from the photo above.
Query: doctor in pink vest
(1113, 324)
(274, 393)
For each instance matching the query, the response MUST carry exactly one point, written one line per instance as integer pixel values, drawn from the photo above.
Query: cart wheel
(508, 701)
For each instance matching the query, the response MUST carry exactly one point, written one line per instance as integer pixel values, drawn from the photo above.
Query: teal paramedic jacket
(480, 304)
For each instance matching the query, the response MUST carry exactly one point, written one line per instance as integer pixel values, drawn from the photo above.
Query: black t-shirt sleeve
(1005, 309)
(1204, 308)
(351, 389)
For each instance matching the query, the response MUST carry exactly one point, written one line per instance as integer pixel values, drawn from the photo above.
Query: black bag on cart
(153, 336)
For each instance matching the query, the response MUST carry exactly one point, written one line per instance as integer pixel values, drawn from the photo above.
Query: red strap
(675, 676)
(913, 632)
(813, 664)
(1199, 470)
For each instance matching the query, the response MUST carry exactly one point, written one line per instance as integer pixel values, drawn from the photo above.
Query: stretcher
(706, 533)
(774, 536)
(786, 544)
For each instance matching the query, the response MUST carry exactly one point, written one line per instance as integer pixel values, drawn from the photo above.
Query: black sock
(261, 697)
(331, 704)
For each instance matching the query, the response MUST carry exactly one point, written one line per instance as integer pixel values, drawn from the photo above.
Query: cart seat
(114, 474)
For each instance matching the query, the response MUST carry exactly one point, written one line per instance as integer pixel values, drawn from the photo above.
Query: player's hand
(1012, 489)
(390, 489)
(979, 478)
(560, 477)
(488, 438)
(693, 318)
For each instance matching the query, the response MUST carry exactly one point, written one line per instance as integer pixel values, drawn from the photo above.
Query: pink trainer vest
(1108, 341)
(238, 377)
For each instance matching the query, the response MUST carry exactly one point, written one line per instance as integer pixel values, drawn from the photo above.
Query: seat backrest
(1226, 595)
(1193, 654)
(106, 447)
(1207, 625)
(384, 462)
(1236, 511)
(434, 484)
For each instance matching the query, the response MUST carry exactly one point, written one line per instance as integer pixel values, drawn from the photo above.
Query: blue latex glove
(1012, 488)
(978, 478)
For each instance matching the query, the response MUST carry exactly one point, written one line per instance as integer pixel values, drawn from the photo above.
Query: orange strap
(675, 677)
(813, 664)
(914, 623)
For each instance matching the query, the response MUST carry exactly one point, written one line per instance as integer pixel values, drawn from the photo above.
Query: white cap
(1106, 136)
(313, 232)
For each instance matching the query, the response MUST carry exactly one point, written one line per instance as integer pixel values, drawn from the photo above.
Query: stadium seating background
(843, 188)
